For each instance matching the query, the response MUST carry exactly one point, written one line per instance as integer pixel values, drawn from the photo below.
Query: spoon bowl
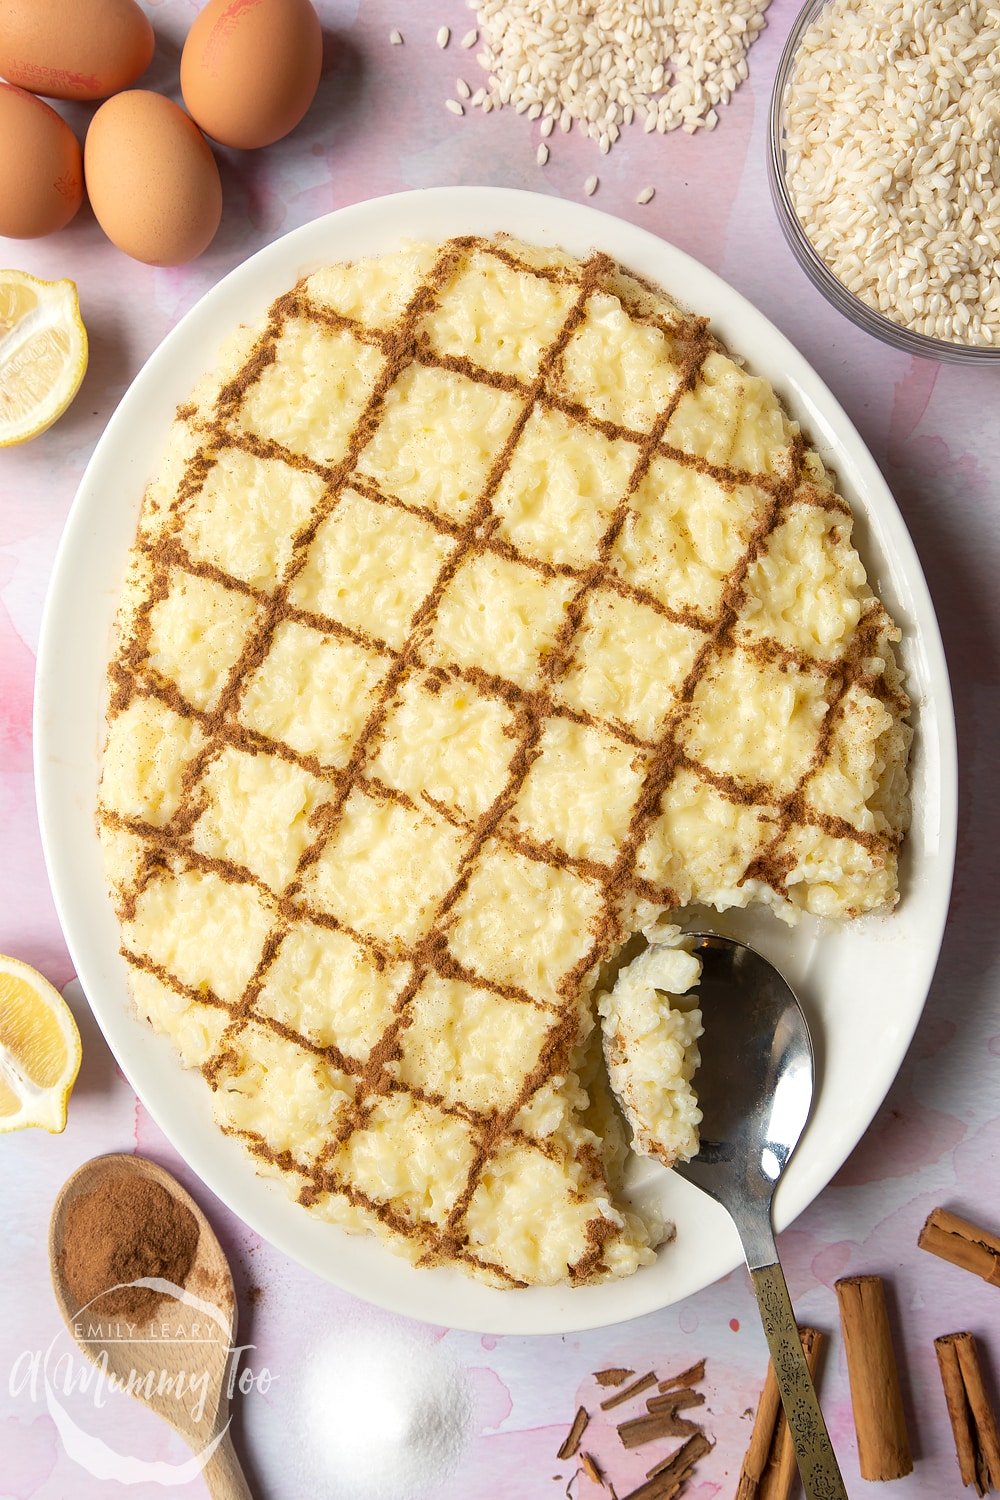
(755, 1080)
(754, 1086)
(177, 1359)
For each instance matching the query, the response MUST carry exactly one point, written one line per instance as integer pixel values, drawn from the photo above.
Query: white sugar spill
(384, 1413)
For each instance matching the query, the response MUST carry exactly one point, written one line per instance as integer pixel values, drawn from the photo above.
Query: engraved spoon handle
(821, 1477)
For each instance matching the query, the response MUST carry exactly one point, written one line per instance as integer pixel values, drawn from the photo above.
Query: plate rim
(521, 1310)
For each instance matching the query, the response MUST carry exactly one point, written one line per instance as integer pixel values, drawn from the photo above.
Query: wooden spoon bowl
(178, 1338)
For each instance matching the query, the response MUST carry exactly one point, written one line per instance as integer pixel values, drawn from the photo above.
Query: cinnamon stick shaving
(686, 1377)
(879, 1419)
(963, 1244)
(575, 1433)
(592, 1469)
(668, 1478)
(675, 1401)
(629, 1391)
(659, 1424)
(977, 1443)
(769, 1465)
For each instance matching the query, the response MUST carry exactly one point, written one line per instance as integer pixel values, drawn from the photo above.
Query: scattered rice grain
(669, 63)
(462, 89)
(443, 36)
(454, 106)
(396, 38)
(646, 195)
(470, 38)
(590, 186)
(542, 154)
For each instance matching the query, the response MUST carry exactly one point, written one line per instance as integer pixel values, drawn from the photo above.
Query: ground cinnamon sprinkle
(124, 1228)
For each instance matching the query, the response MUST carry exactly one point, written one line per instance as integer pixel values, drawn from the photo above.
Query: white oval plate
(864, 984)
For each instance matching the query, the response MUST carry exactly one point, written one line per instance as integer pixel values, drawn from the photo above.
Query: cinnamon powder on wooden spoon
(124, 1228)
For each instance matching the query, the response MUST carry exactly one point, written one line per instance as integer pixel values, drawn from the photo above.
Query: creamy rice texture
(650, 1024)
(482, 609)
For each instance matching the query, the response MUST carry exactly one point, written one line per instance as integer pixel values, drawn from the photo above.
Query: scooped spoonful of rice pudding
(755, 1082)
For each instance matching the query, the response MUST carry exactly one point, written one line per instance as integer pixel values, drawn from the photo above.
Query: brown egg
(41, 169)
(250, 69)
(152, 179)
(87, 49)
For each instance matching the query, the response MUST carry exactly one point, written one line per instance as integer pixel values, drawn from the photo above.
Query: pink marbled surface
(379, 126)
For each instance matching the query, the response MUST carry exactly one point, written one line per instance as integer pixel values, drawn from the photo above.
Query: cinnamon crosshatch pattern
(312, 817)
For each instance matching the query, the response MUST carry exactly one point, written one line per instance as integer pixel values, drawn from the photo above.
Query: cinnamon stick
(963, 1244)
(576, 1431)
(977, 1444)
(614, 1376)
(783, 1471)
(879, 1419)
(629, 1391)
(761, 1438)
(770, 1436)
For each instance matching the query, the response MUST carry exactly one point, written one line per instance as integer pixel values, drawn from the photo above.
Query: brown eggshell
(74, 49)
(250, 69)
(152, 179)
(41, 168)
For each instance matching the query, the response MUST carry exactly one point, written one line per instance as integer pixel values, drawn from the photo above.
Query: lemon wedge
(39, 1050)
(43, 353)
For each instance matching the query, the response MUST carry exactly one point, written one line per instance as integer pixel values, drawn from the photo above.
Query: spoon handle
(821, 1477)
(223, 1476)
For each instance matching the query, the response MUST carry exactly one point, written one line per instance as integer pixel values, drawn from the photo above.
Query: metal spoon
(754, 1086)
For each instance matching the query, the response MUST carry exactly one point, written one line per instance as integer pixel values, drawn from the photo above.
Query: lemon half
(43, 353)
(39, 1050)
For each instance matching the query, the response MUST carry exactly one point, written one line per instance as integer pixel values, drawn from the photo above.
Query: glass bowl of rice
(884, 167)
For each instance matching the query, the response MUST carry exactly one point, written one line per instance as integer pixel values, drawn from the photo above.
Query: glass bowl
(819, 273)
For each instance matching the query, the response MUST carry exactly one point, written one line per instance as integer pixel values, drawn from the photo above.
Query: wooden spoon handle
(223, 1475)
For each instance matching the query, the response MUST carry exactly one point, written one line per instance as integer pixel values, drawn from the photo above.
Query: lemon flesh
(39, 1050)
(43, 353)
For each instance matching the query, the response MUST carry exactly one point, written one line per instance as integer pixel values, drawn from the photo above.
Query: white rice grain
(892, 159)
(605, 63)
(443, 36)
(454, 106)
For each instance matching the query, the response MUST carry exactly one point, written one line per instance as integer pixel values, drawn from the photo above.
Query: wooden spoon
(209, 1279)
